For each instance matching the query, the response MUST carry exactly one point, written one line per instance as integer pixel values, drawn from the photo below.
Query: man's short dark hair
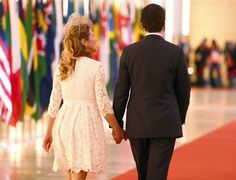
(153, 18)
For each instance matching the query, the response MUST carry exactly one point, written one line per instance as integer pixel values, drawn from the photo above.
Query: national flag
(16, 97)
(94, 15)
(123, 16)
(138, 31)
(31, 40)
(71, 7)
(29, 24)
(68, 7)
(104, 11)
(16, 81)
(103, 47)
(46, 82)
(81, 7)
(24, 56)
(5, 72)
(113, 54)
(39, 60)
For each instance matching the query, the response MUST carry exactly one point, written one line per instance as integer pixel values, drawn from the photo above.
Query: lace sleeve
(102, 98)
(56, 96)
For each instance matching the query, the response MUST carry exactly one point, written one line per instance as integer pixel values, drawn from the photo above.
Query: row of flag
(31, 41)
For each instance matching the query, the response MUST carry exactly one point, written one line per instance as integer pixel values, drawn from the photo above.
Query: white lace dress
(78, 134)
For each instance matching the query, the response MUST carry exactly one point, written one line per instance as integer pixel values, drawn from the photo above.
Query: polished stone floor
(22, 158)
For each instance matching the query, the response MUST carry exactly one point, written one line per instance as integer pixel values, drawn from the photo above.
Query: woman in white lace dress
(76, 129)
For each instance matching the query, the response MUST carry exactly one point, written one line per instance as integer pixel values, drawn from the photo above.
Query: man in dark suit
(153, 79)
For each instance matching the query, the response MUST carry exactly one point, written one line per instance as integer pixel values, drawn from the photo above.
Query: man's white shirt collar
(154, 33)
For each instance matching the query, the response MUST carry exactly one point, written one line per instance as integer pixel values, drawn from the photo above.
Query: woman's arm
(47, 142)
(117, 132)
(104, 104)
(55, 101)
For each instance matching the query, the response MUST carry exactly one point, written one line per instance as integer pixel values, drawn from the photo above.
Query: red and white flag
(5, 84)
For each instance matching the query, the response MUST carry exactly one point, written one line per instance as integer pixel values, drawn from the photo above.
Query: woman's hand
(118, 134)
(47, 142)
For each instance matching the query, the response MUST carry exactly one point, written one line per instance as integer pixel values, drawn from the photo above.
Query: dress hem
(77, 170)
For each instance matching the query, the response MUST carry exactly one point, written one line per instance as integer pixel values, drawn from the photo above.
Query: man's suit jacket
(153, 79)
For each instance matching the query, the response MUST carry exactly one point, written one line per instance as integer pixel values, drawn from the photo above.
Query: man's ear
(84, 42)
(141, 26)
(164, 28)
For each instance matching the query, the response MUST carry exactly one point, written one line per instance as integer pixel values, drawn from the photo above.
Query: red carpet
(211, 157)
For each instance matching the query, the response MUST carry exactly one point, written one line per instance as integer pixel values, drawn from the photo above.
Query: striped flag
(15, 82)
(5, 72)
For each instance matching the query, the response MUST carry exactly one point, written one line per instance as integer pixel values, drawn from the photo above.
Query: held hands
(118, 134)
(47, 142)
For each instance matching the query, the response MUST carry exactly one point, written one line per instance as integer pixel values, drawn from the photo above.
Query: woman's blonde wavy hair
(73, 48)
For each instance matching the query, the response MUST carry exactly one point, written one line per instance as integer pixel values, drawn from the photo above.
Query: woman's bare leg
(79, 176)
(69, 175)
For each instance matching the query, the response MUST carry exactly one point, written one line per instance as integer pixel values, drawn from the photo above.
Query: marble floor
(22, 158)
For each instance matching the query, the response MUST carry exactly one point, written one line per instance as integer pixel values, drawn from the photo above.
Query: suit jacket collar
(153, 36)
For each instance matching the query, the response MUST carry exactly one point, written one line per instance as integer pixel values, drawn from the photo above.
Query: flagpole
(169, 20)
(185, 17)
(59, 33)
(86, 7)
(76, 6)
(65, 7)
